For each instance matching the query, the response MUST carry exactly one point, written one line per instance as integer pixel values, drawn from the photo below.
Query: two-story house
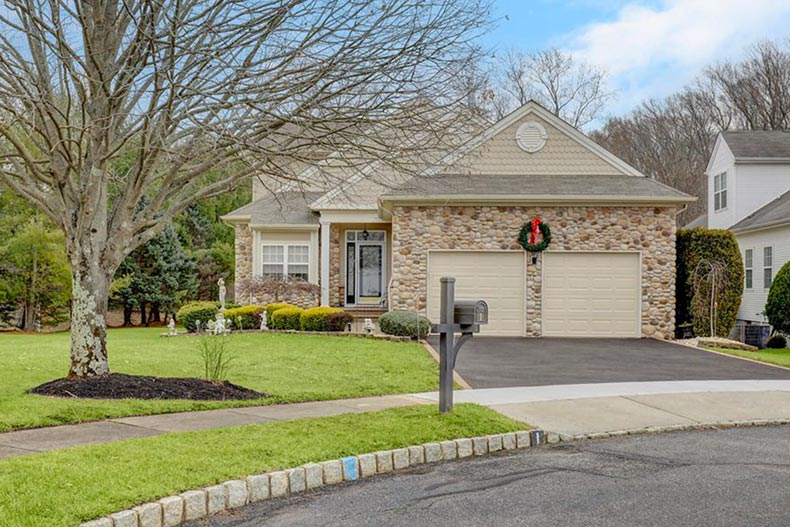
(749, 193)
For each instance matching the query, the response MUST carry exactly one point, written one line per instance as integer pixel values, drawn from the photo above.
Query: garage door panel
(591, 294)
(499, 278)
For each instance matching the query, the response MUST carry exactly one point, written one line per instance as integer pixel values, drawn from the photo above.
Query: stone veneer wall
(651, 230)
(243, 273)
(336, 286)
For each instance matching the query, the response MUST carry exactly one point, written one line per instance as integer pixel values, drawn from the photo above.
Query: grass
(65, 487)
(779, 357)
(291, 368)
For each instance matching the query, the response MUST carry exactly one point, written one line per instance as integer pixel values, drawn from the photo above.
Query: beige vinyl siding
(594, 294)
(498, 277)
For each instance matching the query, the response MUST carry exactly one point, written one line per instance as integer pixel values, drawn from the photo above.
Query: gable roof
(284, 208)
(774, 213)
(533, 107)
(758, 144)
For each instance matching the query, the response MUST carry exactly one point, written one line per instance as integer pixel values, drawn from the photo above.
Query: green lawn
(780, 357)
(289, 367)
(65, 487)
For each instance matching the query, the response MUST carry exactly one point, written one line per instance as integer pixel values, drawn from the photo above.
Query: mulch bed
(120, 386)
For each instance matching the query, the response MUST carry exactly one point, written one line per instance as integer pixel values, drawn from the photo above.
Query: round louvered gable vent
(531, 137)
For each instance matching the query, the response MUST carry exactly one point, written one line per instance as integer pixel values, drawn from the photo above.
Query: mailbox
(470, 312)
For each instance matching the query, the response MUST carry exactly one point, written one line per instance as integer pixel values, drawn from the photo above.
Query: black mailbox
(471, 312)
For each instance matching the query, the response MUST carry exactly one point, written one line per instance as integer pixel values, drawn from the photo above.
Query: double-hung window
(286, 261)
(768, 266)
(720, 191)
(748, 264)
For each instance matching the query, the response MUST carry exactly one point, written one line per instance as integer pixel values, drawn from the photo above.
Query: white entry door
(591, 294)
(498, 277)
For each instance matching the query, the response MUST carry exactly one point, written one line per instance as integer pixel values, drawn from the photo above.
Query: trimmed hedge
(287, 318)
(404, 324)
(271, 308)
(339, 321)
(190, 313)
(250, 317)
(714, 245)
(776, 342)
(777, 308)
(317, 318)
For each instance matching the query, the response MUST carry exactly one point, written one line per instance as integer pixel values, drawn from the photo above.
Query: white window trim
(718, 193)
(747, 268)
(768, 267)
(284, 263)
(384, 267)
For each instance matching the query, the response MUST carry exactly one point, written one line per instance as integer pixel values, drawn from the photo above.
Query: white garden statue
(222, 292)
(219, 325)
(368, 326)
(264, 323)
(171, 328)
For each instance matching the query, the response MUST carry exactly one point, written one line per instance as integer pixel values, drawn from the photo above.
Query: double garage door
(583, 294)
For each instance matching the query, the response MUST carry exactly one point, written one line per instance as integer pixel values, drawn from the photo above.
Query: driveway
(725, 478)
(496, 362)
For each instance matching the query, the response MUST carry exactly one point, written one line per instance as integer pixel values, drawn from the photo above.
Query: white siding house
(749, 193)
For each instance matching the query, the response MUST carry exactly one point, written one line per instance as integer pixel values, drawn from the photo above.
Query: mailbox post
(464, 316)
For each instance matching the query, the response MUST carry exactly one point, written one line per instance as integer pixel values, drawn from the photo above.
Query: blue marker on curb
(350, 470)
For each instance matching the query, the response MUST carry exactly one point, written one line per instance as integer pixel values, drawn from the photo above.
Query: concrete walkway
(52, 438)
(594, 408)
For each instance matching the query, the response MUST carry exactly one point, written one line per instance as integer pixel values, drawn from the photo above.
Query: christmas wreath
(528, 236)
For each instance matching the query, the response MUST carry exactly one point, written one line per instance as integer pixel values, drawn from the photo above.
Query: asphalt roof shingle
(774, 213)
(604, 186)
(758, 143)
(283, 208)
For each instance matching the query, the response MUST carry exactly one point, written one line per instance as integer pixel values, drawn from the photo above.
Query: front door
(365, 257)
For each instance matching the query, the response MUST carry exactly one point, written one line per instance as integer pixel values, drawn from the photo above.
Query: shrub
(248, 316)
(715, 246)
(287, 318)
(339, 321)
(404, 324)
(190, 313)
(777, 309)
(216, 357)
(271, 308)
(776, 342)
(317, 318)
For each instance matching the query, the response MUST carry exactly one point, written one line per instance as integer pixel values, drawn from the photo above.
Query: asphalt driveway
(497, 362)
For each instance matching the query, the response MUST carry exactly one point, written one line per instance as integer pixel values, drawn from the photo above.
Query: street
(734, 477)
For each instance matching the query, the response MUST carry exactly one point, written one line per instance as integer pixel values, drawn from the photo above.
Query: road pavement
(734, 477)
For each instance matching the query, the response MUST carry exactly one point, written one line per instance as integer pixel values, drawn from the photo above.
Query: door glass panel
(370, 272)
(351, 277)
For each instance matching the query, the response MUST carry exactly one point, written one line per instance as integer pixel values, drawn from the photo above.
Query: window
(280, 261)
(720, 191)
(768, 266)
(748, 264)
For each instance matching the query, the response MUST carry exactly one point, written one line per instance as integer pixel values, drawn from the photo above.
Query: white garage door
(499, 278)
(591, 294)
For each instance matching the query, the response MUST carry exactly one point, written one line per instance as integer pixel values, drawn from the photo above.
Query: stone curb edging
(389, 338)
(194, 504)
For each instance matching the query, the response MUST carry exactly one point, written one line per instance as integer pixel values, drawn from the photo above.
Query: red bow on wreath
(535, 225)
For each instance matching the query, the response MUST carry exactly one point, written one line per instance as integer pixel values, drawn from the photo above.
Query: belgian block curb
(194, 504)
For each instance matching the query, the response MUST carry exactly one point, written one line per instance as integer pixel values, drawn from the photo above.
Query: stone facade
(243, 274)
(650, 230)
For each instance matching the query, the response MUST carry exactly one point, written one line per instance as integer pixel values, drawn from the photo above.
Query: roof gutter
(536, 199)
(228, 218)
(763, 160)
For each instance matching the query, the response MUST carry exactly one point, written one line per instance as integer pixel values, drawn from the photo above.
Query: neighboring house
(748, 183)
(609, 271)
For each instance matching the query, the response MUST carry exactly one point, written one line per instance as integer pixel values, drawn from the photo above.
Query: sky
(650, 48)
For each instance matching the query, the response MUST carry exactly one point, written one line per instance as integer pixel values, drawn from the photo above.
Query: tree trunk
(90, 291)
(143, 314)
(128, 310)
(155, 315)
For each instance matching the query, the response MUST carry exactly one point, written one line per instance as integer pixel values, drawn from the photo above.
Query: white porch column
(325, 228)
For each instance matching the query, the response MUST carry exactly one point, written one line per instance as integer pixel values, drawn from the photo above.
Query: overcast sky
(649, 48)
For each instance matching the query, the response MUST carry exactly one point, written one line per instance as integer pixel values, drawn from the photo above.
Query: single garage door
(498, 277)
(591, 294)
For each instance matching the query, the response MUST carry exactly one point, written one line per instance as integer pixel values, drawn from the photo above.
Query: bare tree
(569, 88)
(241, 86)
